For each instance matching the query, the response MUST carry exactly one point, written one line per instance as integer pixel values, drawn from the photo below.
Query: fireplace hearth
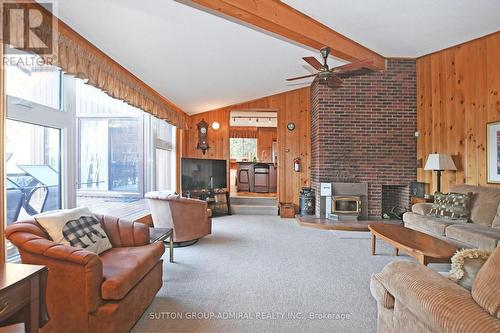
(395, 199)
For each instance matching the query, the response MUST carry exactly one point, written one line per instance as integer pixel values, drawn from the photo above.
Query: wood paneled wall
(292, 106)
(265, 138)
(457, 91)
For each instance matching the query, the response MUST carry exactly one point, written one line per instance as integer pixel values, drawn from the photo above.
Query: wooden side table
(160, 235)
(22, 295)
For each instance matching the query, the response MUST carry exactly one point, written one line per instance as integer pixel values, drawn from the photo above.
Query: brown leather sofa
(94, 293)
(190, 218)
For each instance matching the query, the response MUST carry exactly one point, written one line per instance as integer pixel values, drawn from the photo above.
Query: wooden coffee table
(425, 248)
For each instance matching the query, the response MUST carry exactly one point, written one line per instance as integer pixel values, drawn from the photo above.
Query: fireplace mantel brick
(365, 130)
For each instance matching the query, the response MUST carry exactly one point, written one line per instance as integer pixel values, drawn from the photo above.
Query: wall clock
(202, 136)
(290, 126)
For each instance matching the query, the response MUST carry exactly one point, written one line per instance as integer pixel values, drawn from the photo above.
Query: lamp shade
(439, 162)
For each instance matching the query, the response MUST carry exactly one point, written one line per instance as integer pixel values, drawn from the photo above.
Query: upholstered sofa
(87, 292)
(482, 232)
(414, 298)
(190, 218)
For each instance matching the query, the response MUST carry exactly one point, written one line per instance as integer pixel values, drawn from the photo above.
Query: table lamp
(438, 163)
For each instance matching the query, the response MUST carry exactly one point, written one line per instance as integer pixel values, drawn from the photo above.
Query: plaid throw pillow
(76, 227)
(453, 206)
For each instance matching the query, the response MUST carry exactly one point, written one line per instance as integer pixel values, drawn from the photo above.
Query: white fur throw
(458, 262)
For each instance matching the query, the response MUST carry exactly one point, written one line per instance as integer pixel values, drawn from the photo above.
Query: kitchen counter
(256, 182)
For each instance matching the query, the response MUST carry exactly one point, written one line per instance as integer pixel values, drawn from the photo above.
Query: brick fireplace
(395, 196)
(364, 131)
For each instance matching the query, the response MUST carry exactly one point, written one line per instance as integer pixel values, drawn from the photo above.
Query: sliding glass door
(38, 137)
(33, 169)
(110, 158)
(33, 172)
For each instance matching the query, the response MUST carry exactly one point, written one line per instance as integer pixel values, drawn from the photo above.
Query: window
(121, 152)
(125, 149)
(243, 149)
(163, 135)
(33, 177)
(34, 141)
(33, 164)
(111, 145)
(110, 154)
(38, 84)
(93, 166)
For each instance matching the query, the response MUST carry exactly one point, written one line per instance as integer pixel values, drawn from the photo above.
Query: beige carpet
(266, 274)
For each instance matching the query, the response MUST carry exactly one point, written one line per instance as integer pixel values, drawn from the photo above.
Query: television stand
(212, 199)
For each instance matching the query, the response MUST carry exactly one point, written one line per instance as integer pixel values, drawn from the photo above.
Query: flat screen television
(203, 174)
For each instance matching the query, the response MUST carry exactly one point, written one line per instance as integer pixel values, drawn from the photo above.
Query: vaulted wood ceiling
(202, 61)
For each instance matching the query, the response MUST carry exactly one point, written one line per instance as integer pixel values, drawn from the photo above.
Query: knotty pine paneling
(292, 106)
(457, 91)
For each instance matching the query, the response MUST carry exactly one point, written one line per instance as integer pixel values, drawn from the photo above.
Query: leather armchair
(190, 218)
(90, 292)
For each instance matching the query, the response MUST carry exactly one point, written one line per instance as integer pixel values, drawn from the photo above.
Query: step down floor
(254, 206)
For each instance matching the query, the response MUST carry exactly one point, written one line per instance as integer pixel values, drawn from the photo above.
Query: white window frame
(19, 109)
(65, 120)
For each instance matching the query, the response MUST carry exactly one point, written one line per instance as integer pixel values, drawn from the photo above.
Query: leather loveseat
(87, 292)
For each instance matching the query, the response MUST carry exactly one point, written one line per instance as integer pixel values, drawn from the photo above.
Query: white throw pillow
(76, 227)
(465, 265)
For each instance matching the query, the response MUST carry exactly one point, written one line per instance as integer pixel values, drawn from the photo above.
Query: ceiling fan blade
(313, 62)
(301, 77)
(353, 66)
(334, 81)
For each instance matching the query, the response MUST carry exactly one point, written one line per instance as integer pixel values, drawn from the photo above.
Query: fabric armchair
(78, 280)
(190, 218)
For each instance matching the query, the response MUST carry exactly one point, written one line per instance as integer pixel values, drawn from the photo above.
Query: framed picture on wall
(493, 152)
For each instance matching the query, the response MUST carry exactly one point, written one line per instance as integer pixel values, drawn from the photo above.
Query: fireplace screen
(346, 205)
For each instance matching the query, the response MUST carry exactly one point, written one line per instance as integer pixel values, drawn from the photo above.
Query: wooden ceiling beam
(281, 19)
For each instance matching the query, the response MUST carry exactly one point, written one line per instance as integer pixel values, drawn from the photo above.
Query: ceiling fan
(333, 75)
